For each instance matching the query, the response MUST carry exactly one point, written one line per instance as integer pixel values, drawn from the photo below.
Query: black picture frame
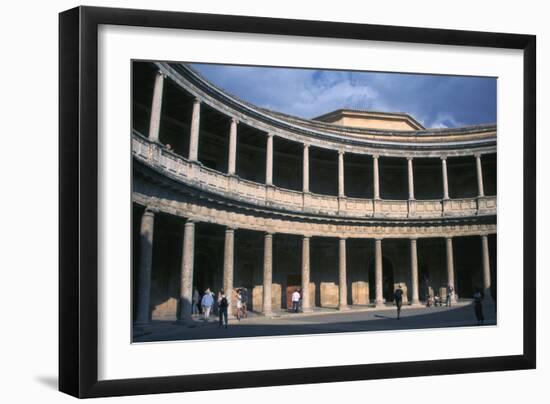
(78, 200)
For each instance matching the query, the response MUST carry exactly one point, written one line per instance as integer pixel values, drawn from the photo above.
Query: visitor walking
(478, 309)
(295, 301)
(196, 301)
(398, 299)
(222, 310)
(450, 291)
(206, 303)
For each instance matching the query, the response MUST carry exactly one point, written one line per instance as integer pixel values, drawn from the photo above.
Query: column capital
(306, 145)
(196, 100)
(413, 238)
(341, 152)
(443, 157)
(191, 221)
(161, 73)
(150, 211)
(379, 239)
(270, 134)
(230, 229)
(409, 158)
(449, 238)
(477, 155)
(268, 234)
(234, 120)
(306, 237)
(376, 156)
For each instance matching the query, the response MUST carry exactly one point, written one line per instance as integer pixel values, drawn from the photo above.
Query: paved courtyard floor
(319, 322)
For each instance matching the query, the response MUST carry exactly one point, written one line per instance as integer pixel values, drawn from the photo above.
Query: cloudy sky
(435, 101)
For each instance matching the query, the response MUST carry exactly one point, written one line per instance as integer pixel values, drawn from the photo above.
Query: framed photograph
(250, 201)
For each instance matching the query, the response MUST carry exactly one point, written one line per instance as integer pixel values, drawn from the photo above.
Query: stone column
(486, 267)
(341, 192)
(145, 261)
(379, 299)
(228, 262)
(156, 108)
(450, 266)
(375, 177)
(269, 160)
(444, 175)
(415, 301)
(195, 124)
(411, 177)
(342, 278)
(268, 273)
(306, 306)
(187, 263)
(479, 170)
(306, 168)
(232, 160)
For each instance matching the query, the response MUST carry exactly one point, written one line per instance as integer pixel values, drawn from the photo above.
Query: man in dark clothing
(450, 291)
(222, 310)
(398, 298)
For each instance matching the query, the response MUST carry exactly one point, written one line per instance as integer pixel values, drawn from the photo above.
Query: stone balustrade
(196, 175)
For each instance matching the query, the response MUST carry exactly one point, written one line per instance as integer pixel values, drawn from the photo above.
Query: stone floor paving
(319, 322)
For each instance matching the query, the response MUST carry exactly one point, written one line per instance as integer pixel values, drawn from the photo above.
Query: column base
(416, 304)
(307, 310)
(379, 305)
(267, 313)
(343, 308)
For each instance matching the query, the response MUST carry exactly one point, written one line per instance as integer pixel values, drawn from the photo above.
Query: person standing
(295, 301)
(478, 308)
(239, 304)
(398, 299)
(196, 301)
(244, 302)
(206, 303)
(450, 291)
(222, 310)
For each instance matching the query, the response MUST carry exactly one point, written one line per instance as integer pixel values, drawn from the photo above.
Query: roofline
(379, 114)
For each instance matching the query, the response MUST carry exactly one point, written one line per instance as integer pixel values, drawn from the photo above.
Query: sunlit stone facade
(227, 195)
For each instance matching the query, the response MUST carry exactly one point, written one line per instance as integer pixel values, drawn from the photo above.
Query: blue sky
(435, 101)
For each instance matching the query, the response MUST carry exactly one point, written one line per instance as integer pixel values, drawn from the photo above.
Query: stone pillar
(379, 299)
(486, 267)
(232, 160)
(479, 170)
(444, 175)
(306, 306)
(341, 192)
(195, 124)
(145, 261)
(156, 108)
(411, 177)
(228, 262)
(269, 160)
(375, 177)
(342, 278)
(187, 263)
(450, 266)
(415, 301)
(306, 168)
(268, 273)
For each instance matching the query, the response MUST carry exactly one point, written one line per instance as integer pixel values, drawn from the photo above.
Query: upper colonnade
(407, 146)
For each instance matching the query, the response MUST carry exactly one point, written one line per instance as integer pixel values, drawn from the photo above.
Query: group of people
(205, 303)
(437, 301)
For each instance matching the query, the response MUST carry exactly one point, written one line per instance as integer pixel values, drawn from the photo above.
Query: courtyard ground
(319, 322)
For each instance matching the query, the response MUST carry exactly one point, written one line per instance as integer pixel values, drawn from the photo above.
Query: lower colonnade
(268, 297)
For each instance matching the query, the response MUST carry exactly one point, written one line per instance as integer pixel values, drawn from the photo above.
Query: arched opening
(387, 279)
